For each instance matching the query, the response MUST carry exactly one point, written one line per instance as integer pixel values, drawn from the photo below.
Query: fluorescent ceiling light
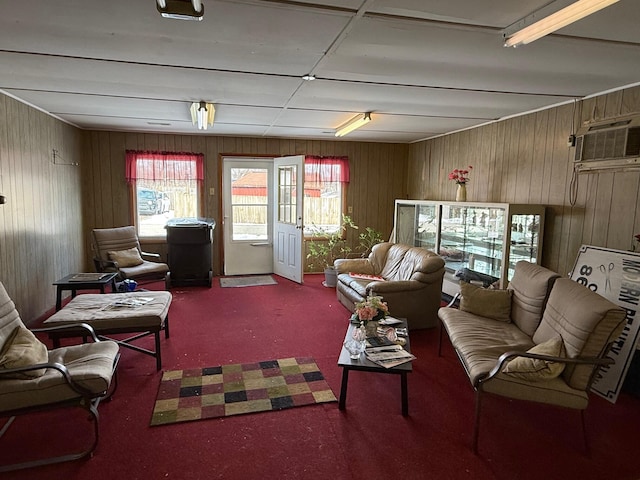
(202, 114)
(355, 122)
(556, 21)
(181, 9)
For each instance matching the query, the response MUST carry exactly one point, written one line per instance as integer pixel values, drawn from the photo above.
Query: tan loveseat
(543, 339)
(408, 278)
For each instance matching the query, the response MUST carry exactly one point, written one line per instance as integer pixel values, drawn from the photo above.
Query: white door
(289, 189)
(247, 216)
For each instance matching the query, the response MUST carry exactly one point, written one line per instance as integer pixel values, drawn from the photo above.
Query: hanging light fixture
(181, 9)
(202, 114)
(551, 23)
(356, 122)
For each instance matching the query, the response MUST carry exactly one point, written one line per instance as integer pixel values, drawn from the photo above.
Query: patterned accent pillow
(495, 304)
(126, 258)
(23, 349)
(533, 369)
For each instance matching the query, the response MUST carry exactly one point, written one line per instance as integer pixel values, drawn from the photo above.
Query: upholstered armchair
(118, 250)
(33, 378)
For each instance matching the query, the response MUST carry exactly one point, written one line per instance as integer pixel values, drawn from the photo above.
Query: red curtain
(326, 169)
(142, 165)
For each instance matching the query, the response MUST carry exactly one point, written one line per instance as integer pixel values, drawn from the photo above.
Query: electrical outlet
(571, 141)
(349, 209)
(212, 191)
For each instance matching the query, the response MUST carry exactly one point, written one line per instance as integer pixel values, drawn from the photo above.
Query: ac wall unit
(618, 138)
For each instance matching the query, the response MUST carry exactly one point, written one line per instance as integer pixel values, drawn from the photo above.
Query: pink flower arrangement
(373, 308)
(461, 177)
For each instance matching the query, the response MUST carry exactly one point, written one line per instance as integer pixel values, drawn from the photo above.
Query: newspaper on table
(126, 303)
(388, 356)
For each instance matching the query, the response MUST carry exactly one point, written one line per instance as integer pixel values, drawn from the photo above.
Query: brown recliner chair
(118, 250)
(33, 378)
(409, 279)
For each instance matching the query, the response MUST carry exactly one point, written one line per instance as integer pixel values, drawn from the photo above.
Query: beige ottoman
(144, 313)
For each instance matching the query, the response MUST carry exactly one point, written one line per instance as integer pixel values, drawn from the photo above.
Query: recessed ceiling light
(309, 77)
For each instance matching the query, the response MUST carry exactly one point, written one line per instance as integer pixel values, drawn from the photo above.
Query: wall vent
(615, 139)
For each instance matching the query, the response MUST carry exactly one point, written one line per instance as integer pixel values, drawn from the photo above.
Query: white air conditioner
(617, 138)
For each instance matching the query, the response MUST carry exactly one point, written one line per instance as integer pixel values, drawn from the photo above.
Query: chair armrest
(508, 356)
(54, 366)
(454, 299)
(150, 255)
(75, 326)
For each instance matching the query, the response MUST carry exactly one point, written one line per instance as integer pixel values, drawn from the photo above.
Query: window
(325, 181)
(164, 185)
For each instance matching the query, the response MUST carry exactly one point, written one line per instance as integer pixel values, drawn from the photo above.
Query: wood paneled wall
(41, 232)
(526, 160)
(378, 175)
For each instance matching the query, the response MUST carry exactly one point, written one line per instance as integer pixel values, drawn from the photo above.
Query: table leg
(343, 388)
(405, 394)
(58, 298)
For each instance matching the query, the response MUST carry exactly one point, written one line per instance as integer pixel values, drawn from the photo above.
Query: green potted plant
(327, 246)
(368, 239)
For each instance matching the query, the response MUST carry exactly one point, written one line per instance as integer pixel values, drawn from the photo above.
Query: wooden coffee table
(83, 281)
(364, 365)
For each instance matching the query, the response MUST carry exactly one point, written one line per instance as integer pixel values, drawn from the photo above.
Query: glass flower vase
(356, 345)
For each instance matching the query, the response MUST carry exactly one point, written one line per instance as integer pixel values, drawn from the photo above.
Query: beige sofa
(543, 339)
(411, 282)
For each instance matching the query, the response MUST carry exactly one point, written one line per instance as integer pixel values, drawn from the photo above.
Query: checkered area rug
(186, 395)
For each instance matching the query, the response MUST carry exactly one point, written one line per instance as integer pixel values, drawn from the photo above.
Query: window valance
(147, 165)
(326, 169)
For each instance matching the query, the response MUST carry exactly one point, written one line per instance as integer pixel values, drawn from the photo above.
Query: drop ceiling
(422, 67)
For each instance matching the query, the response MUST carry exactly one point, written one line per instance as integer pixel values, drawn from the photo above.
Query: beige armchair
(118, 250)
(408, 278)
(33, 378)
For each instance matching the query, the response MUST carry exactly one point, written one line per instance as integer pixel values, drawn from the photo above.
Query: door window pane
(287, 207)
(249, 204)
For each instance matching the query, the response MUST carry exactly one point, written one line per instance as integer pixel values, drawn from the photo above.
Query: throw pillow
(495, 304)
(126, 258)
(22, 350)
(533, 369)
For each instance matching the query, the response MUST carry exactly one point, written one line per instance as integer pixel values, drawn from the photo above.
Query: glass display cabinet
(480, 242)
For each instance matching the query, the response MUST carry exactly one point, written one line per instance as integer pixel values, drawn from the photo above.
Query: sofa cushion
(393, 261)
(480, 341)
(126, 258)
(359, 285)
(23, 349)
(89, 364)
(531, 285)
(534, 369)
(495, 304)
(586, 321)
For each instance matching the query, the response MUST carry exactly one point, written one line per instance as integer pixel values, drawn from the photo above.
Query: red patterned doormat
(186, 395)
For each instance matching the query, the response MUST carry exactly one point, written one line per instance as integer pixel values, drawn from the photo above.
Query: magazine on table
(88, 277)
(389, 321)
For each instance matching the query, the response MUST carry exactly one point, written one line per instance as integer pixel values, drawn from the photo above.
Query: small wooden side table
(83, 281)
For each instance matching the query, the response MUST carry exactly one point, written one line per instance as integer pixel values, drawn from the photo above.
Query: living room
(52, 205)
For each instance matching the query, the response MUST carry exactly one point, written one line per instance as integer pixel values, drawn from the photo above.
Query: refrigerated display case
(480, 242)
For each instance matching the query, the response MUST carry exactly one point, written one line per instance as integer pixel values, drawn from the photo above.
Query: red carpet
(370, 440)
